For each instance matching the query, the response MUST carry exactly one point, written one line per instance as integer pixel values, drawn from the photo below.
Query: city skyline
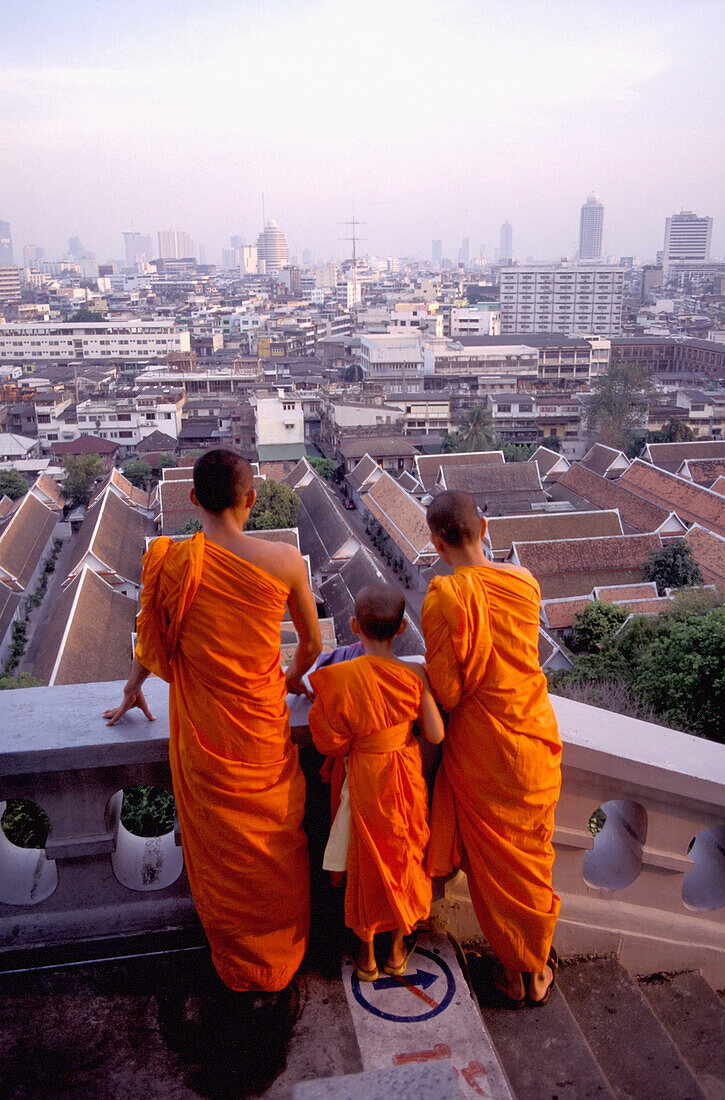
(103, 129)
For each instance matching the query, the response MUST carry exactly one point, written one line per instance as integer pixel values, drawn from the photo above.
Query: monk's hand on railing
(131, 699)
(296, 684)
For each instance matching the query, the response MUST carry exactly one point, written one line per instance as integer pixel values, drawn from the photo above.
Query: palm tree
(476, 433)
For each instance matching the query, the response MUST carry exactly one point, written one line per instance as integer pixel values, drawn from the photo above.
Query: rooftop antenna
(354, 238)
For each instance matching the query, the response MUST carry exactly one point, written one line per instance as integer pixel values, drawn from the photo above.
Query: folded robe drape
(210, 626)
(500, 775)
(366, 708)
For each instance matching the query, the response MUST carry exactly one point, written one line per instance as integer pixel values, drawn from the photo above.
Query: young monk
(366, 708)
(210, 625)
(499, 780)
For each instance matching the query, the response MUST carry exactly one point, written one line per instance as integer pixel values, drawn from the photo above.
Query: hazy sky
(427, 118)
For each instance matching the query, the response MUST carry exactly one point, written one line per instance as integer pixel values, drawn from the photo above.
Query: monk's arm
(303, 610)
(429, 717)
(133, 696)
(441, 663)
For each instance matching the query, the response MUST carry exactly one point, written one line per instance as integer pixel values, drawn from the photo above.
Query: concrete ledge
(435, 1081)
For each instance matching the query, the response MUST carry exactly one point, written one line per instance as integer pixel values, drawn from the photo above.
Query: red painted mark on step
(470, 1073)
(418, 992)
(440, 1050)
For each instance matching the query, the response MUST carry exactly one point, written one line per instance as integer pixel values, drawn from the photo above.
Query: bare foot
(539, 983)
(366, 956)
(398, 950)
(509, 982)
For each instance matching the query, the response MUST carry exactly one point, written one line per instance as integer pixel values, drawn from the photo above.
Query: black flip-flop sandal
(553, 963)
(503, 999)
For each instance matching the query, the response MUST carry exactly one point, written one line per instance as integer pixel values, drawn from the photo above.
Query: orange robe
(500, 774)
(366, 708)
(210, 626)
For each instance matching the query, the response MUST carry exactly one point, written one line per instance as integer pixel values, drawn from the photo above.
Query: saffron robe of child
(366, 708)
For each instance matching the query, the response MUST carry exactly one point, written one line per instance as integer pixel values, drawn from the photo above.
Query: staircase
(605, 1034)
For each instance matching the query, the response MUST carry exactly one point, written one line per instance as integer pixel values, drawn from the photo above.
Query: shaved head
(453, 517)
(222, 479)
(379, 610)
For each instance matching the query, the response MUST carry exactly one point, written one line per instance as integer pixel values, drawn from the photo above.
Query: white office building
(483, 319)
(591, 225)
(394, 358)
(131, 340)
(687, 239)
(174, 244)
(566, 298)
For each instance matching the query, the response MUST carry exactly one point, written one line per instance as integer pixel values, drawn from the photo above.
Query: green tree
(448, 445)
(517, 452)
(682, 674)
(325, 467)
(674, 431)
(476, 432)
(24, 680)
(594, 624)
(353, 373)
(138, 472)
(12, 484)
(190, 527)
(81, 472)
(276, 506)
(615, 413)
(167, 461)
(673, 566)
(88, 315)
(553, 442)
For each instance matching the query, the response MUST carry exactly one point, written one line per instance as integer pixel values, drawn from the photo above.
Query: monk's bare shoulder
(281, 560)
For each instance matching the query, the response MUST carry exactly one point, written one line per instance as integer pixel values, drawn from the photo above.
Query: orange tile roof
(709, 552)
(691, 502)
(638, 513)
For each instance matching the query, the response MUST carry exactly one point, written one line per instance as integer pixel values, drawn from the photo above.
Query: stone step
(543, 1051)
(694, 1017)
(630, 1044)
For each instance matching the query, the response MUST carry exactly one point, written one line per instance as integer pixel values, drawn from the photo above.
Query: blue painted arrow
(422, 978)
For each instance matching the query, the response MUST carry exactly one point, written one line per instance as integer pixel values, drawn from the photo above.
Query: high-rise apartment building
(138, 247)
(566, 298)
(437, 252)
(33, 256)
(6, 244)
(591, 224)
(687, 239)
(174, 244)
(9, 284)
(272, 248)
(506, 244)
(464, 252)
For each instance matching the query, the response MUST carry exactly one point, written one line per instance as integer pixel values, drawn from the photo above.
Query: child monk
(366, 708)
(500, 776)
(211, 609)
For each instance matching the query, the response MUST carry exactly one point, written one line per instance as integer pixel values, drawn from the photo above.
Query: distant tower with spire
(591, 224)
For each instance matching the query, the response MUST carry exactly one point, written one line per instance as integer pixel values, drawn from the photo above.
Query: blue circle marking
(357, 992)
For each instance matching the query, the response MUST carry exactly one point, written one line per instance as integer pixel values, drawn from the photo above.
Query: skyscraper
(591, 223)
(687, 239)
(33, 256)
(506, 244)
(464, 252)
(6, 244)
(174, 244)
(272, 248)
(139, 248)
(437, 252)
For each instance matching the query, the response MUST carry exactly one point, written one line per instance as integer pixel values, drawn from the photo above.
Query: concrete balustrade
(665, 787)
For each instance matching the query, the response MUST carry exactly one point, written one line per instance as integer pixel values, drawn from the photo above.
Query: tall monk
(500, 775)
(366, 708)
(211, 609)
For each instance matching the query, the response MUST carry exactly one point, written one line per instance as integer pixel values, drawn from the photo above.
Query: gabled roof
(6, 506)
(176, 507)
(85, 445)
(639, 514)
(560, 613)
(551, 464)
(339, 592)
(605, 461)
(382, 446)
(402, 518)
(497, 489)
(114, 534)
(691, 502)
(364, 474)
(703, 471)
(718, 486)
(137, 497)
(49, 491)
(709, 552)
(23, 540)
(9, 601)
(625, 593)
(88, 635)
(16, 446)
(427, 466)
(502, 531)
(669, 456)
(325, 534)
(177, 473)
(408, 482)
(573, 567)
(301, 474)
(157, 443)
